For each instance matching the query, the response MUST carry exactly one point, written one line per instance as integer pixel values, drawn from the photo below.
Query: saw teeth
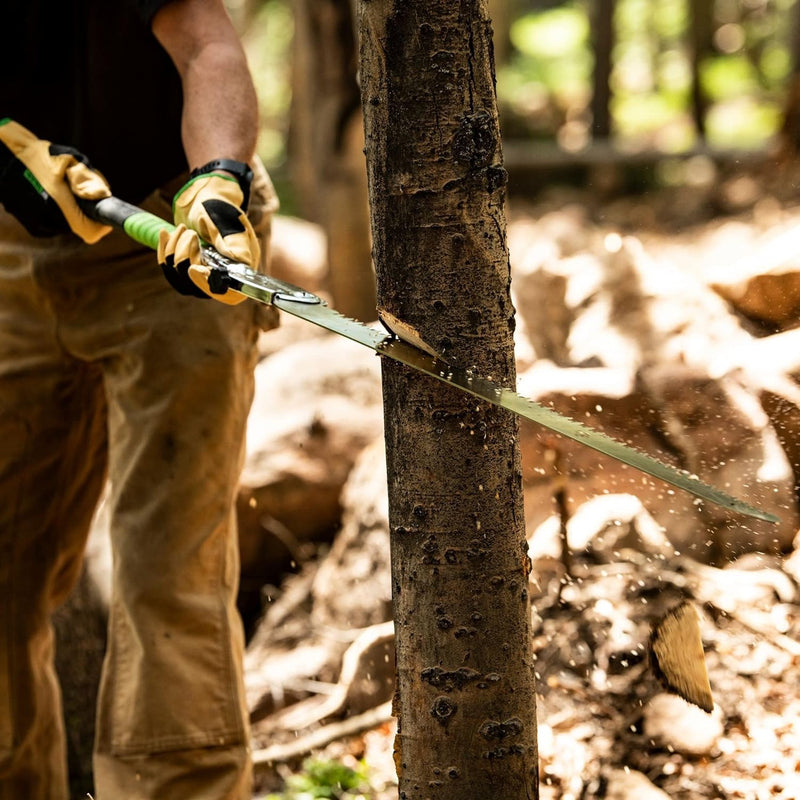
(308, 306)
(424, 359)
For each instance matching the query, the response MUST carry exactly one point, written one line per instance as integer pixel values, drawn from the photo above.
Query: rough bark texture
(466, 701)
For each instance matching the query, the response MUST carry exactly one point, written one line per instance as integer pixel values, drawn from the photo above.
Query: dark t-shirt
(90, 74)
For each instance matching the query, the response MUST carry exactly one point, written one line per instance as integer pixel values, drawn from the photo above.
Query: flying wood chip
(402, 330)
(676, 653)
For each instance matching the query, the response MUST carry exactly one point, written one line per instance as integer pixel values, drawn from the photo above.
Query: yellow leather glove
(40, 181)
(210, 207)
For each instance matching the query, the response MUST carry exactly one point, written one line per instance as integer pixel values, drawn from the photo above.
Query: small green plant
(326, 780)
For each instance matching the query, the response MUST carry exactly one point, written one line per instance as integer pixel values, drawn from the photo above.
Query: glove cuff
(241, 171)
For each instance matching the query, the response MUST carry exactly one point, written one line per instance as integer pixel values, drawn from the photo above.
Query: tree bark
(465, 699)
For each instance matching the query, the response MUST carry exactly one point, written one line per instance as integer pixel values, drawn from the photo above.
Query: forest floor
(606, 729)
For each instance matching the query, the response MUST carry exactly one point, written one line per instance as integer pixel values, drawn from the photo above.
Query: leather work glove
(210, 207)
(40, 181)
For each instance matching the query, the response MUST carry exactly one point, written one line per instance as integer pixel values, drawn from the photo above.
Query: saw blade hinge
(229, 274)
(297, 296)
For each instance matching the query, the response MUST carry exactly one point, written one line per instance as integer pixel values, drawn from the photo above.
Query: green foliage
(548, 80)
(724, 77)
(775, 64)
(552, 55)
(554, 34)
(546, 85)
(329, 780)
(670, 19)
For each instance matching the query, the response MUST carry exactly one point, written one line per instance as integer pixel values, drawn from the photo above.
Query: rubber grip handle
(140, 225)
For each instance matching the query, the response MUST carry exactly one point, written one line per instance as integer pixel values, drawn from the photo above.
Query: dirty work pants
(105, 370)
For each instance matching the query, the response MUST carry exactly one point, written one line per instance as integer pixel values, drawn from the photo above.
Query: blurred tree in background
(742, 70)
(267, 30)
(680, 73)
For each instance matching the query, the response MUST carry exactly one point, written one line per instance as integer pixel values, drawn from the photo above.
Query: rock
(633, 419)
(646, 352)
(764, 284)
(629, 784)
(769, 298)
(677, 725)
(305, 633)
(352, 588)
(608, 523)
(726, 438)
(317, 404)
(542, 314)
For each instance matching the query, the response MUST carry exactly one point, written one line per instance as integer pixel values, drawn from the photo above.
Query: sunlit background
(545, 72)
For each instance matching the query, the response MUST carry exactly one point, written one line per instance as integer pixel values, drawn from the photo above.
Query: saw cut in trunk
(465, 701)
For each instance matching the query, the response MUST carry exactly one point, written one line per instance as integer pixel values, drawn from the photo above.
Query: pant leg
(172, 721)
(52, 438)
(178, 372)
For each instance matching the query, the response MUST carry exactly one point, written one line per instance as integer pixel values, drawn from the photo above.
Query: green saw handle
(144, 227)
(140, 225)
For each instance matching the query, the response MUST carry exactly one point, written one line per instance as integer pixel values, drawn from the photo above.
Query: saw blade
(225, 274)
(484, 389)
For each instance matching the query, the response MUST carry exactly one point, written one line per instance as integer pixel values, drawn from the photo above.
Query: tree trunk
(603, 46)
(790, 131)
(327, 148)
(501, 13)
(466, 700)
(702, 33)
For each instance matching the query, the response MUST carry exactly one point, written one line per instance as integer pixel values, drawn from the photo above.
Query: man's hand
(40, 181)
(208, 208)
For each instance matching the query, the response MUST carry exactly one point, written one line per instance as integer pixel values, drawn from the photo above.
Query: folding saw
(144, 228)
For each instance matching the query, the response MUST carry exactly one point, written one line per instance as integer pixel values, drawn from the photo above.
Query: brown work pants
(106, 371)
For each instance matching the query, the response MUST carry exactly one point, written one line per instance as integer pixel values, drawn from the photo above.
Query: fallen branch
(361, 652)
(281, 753)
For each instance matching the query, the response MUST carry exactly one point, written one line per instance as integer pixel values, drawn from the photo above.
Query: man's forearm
(220, 114)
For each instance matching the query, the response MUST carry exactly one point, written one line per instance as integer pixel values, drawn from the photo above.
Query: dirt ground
(604, 721)
(606, 728)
